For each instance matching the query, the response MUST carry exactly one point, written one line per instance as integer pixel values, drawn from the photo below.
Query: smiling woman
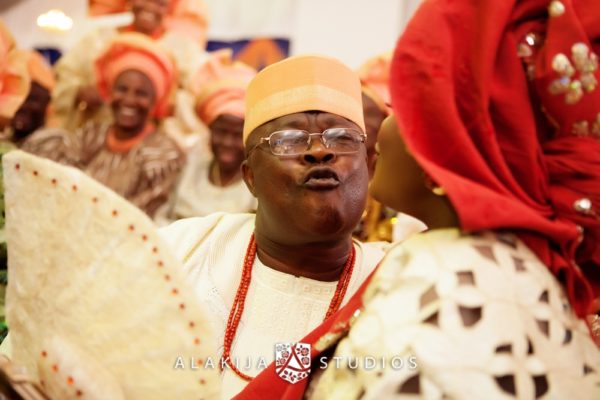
(132, 99)
(128, 155)
(212, 181)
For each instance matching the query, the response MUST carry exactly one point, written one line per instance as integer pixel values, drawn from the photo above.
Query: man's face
(32, 113)
(317, 195)
(226, 141)
(148, 15)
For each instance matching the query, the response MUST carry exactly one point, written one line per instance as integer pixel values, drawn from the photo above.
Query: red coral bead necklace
(237, 309)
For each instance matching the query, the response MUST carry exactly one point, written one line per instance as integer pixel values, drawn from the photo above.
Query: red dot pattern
(160, 263)
(55, 367)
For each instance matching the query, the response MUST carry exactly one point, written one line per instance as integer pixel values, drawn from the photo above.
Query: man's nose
(318, 153)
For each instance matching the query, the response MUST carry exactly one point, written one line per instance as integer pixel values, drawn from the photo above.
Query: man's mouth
(321, 178)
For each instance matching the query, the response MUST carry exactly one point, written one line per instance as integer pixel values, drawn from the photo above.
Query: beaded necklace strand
(237, 309)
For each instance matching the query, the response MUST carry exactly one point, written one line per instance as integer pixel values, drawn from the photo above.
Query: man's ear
(248, 175)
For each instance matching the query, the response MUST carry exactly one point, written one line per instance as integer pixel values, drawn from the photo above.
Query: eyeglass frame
(362, 136)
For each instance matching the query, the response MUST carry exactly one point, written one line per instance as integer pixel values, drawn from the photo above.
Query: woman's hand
(88, 99)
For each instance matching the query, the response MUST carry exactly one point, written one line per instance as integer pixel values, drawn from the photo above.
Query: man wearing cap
(274, 276)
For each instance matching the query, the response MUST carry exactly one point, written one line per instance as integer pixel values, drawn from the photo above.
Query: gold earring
(434, 187)
(438, 191)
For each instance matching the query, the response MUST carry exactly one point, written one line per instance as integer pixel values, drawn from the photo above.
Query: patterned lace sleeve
(55, 144)
(463, 317)
(162, 163)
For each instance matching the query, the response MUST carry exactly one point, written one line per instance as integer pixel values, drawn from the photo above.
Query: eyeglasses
(294, 142)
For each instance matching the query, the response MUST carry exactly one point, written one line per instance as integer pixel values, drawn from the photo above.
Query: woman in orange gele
(213, 182)
(14, 79)
(76, 99)
(129, 155)
(31, 114)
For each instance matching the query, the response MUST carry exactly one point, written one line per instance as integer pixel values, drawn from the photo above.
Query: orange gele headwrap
(14, 79)
(220, 86)
(375, 79)
(39, 70)
(103, 7)
(188, 17)
(303, 83)
(135, 51)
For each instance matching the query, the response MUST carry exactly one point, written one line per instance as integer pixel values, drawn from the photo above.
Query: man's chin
(326, 221)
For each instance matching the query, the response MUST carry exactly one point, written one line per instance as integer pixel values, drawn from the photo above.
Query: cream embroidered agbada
(279, 307)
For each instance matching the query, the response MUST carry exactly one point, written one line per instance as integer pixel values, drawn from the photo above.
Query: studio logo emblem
(292, 361)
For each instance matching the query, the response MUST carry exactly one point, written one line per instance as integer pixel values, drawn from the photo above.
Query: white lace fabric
(482, 317)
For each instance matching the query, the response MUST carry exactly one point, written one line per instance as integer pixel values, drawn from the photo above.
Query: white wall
(351, 30)
(21, 20)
